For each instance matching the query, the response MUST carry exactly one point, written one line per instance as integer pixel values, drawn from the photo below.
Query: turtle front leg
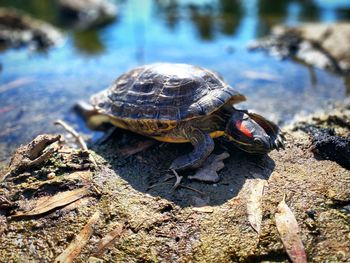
(203, 146)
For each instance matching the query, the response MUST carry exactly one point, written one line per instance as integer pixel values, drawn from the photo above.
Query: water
(38, 88)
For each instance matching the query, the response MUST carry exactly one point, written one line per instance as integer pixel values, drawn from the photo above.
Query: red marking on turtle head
(241, 127)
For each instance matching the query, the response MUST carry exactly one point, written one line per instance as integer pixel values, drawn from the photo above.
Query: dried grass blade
(75, 247)
(111, 238)
(254, 203)
(46, 204)
(288, 229)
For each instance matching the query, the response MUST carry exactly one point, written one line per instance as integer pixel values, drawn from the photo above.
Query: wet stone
(18, 29)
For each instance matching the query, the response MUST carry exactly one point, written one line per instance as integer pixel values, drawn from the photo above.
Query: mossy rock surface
(196, 223)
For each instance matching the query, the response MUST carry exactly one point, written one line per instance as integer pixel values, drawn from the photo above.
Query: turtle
(180, 103)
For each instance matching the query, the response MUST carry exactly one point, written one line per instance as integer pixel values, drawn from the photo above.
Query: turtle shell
(165, 92)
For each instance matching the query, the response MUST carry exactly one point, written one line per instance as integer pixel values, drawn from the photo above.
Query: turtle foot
(208, 172)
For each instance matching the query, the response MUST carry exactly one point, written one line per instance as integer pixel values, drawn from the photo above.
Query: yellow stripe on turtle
(215, 134)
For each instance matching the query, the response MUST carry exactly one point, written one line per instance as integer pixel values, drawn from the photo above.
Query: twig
(77, 137)
(74, 133)
(155, 185)
(191, 188)
(80, 241)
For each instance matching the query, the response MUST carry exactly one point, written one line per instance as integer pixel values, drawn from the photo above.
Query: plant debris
(74, 248)
(208, 172)
(288, 229)
(48, 203)
(199, 222)
(33, 154)
(110, 239)
(78, 139)
(254, 203)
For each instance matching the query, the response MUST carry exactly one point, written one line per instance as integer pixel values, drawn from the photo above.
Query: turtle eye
(258, 141)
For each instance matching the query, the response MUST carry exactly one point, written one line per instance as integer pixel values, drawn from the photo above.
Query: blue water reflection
(210, 33)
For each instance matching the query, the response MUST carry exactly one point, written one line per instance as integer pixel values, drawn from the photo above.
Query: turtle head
(253, 133)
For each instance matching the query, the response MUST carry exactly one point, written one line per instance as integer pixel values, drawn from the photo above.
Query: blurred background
(40, 84)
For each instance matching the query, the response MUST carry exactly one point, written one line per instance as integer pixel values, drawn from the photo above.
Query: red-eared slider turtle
(180, 103)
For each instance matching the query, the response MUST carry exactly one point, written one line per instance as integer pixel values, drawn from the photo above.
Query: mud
(197, 222)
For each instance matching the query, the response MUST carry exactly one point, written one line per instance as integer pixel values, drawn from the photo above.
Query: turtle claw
(178, 179)
(279, 142)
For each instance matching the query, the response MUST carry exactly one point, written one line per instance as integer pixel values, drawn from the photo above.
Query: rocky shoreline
(325, 46)
(18, 29)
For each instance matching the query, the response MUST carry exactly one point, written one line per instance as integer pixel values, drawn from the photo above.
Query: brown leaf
(111, 238)
(48, 203)
(254, 203)
(74, 248)
(288, 229)
(208, 172)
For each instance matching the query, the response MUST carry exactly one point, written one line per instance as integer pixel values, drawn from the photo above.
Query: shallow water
(38, 88)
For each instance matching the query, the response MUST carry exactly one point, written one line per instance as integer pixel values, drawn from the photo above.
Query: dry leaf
(48, 203)
(254, 203)
(74, 248)
(208, 172)
(111, 238)
(288, 229)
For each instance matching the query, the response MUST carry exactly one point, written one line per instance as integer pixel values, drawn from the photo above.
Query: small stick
(155, 185)
(74, 133)
(191, 188)
(77, 137)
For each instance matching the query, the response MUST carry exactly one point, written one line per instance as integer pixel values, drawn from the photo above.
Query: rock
(323, 45)
(87, 13)
(18, 29)
(330, 143)
(160, 225)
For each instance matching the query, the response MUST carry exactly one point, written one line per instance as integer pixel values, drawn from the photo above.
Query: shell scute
(165, 92)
